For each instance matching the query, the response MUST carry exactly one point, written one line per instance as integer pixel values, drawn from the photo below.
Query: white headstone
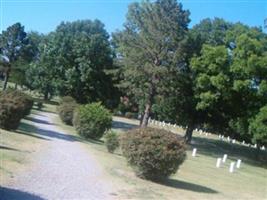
(238, 163)
(243, 142)
(263, 148)
(228, 138)
(194, 152)
(232, 166)
(218, 163)
(206, 134)
(233, 141)
(222, 136)
(255, 145)
(224, 158)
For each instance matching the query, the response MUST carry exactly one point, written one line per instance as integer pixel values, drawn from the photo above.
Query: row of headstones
(162, 124)
(219, 162)
(221, 137)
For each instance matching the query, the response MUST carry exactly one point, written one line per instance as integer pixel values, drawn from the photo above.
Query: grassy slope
(18, 148)
(198, 178)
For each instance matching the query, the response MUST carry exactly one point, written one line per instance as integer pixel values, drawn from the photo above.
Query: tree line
(212, 76)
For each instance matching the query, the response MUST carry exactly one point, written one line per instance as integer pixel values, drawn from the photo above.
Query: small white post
(194, 152)
(238, 163)
(224, 158)
(232, 165)
(206, 134)
(243, 142)
(255, 145)
(263, 148)
(228, 138)
(218, 163)
(233, 141)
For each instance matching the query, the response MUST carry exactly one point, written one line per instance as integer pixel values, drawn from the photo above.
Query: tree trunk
(141, 119)
(46, 95)
(189, 133)
(146, 115)
(148, 105)
(6, 80)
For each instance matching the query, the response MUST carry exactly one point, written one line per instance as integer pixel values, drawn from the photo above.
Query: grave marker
(238, 163)
(224, 158)
(218, 163)
(194, 152)
(232, 166)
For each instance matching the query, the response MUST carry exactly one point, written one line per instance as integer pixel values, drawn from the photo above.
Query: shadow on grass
(13, 194)
(8, 148)
(216, 148)
(123, 125)
(187, 186)
(38, 120)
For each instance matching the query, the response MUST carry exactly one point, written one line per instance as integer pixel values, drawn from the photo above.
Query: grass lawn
(197, 178)
(18, 148)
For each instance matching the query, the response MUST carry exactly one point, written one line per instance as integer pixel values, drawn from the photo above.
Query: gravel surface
(64, 170)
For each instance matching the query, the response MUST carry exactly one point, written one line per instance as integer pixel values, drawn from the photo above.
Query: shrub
(130, 115)
(92, 120)
(39, 105)
(66, 111)
(25, 102)
(67, 99)
(112, 141)
(154, 154)
(11, 113)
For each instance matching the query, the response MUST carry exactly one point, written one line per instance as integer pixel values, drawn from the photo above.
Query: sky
(44, 15)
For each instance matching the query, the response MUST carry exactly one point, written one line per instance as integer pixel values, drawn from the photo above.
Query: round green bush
(11, 113)
(111, 141)
(66, 111)
(67, 99)
(154, 154)
(92, 120)
(131, 115)
(23, 100)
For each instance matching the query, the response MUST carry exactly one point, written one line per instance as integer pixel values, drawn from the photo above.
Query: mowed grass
(18, 148)
(197, 178)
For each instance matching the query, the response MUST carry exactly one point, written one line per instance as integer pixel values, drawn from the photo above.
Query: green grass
(197, 178)
(17, 149)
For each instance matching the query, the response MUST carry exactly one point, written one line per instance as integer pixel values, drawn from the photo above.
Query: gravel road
(63, 170)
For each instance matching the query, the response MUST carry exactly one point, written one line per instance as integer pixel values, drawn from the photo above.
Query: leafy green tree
(258, 127)
(81, 53)
(13, 45)
(42, 74)
(150, 50)
(230, 84)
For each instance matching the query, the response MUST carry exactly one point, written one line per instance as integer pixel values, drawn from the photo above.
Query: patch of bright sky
(44, 15)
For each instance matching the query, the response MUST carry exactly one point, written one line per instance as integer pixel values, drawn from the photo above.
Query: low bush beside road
(92, 120)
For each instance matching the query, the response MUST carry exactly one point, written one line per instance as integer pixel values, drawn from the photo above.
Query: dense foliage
(66, 109)
(111, 141)
(153, 153)
(92, 120)
(211, 76)
(14, 105)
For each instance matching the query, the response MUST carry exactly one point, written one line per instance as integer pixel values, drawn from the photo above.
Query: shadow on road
(13, 194)
(38, 120)
(123, 125)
